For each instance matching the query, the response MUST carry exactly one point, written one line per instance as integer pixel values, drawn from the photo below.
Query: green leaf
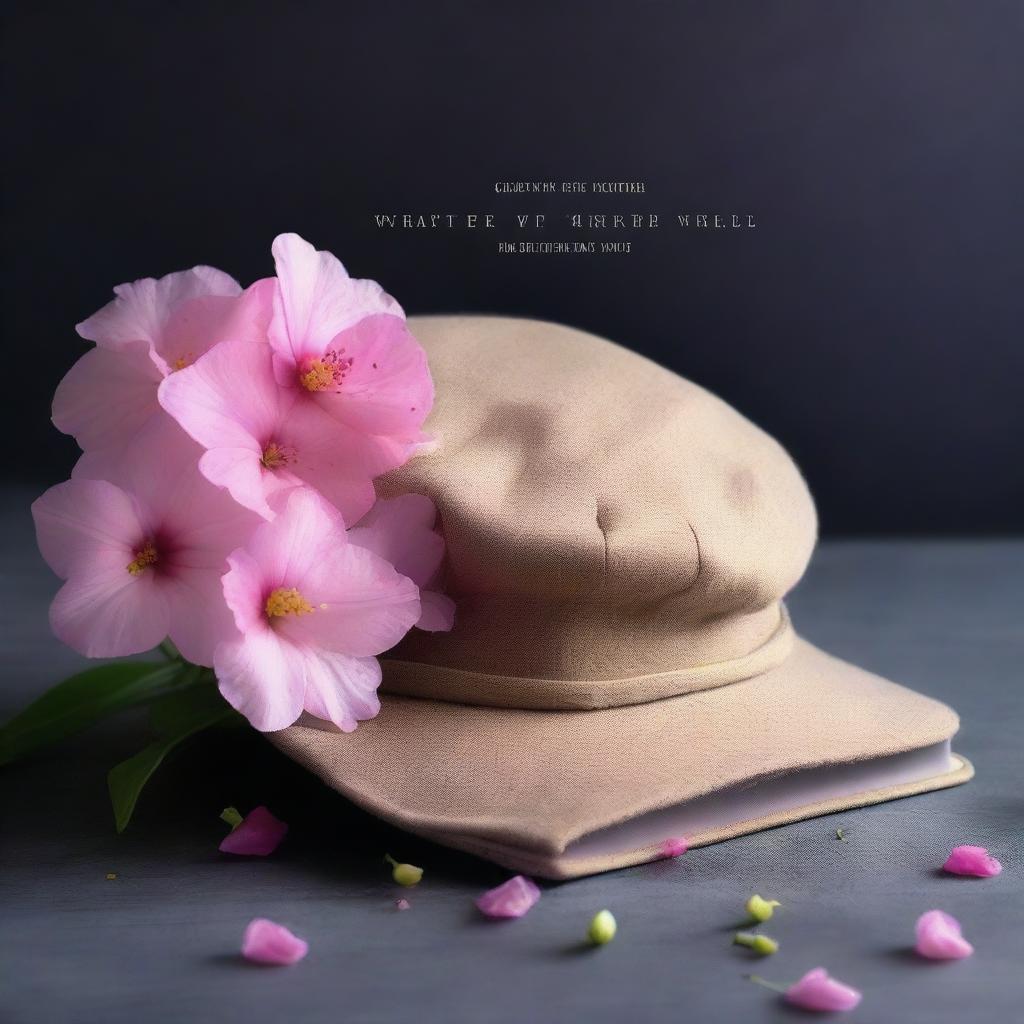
(174, 718)
(83, 699)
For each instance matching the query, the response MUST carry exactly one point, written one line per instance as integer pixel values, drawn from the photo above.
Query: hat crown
(604, 518)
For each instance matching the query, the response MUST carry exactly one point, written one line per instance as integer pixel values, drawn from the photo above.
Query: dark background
(873, 320)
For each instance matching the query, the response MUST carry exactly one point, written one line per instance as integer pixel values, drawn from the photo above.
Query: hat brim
(538, 791)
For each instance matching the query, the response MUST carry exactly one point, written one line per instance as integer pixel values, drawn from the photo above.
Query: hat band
(436, 682)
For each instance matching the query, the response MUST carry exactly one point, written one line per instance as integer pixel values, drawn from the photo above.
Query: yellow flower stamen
(144, 557)
(180, 363)
(319, 377)
(275, 456)
(287, 601)
(328, 372)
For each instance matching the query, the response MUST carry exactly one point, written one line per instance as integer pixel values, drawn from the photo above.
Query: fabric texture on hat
(519, 787)
(619, 542)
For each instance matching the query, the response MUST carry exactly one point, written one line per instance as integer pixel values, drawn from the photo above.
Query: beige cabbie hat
(622, 669)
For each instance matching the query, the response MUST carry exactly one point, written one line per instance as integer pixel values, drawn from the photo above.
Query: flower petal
(261, 678)
(437, 612)
(510, 899)
(334, 460)
(972, 860)
(227, 398)
(675, 846)
(362, 607)
(199, 618)
(401, 531)
(253, 314)
(387, 389)
(103, 611)
(265, 942)
(193, 329)
(142, 308)
(196, 326)
(159, 468)
(244, 590)
(77, 519)
(258, 835)
(316, 300)
(341, 689)
(240, 473)
(939, 937)
(208, 523)
(817, 991)
(306, 530)
(107, 396)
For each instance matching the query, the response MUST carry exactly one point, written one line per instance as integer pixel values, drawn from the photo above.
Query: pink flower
(312, 611)
(267, 943)
(258, 835)
(141, 541)
(817, 991)
(675, 846)
(972, 860)
(401, 531)
(261, 439)
(151, 329)
(344, 344)
(510, 899)
(939, 937)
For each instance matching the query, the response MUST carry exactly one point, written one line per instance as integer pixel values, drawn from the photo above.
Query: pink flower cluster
(230, 440)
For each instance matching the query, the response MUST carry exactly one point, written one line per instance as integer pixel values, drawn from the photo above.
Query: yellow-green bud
(231, 816)
(602, 928)
(762, 944)
(759, 909)
(404, 874)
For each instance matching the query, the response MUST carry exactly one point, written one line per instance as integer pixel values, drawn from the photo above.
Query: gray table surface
(160, 942)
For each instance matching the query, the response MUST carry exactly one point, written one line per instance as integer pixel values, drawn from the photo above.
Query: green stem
(774, 986)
